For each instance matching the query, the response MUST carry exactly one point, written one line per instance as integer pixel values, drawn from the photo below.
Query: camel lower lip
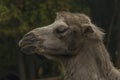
(53, 52)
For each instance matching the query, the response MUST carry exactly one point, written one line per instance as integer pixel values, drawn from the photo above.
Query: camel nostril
(28, 38)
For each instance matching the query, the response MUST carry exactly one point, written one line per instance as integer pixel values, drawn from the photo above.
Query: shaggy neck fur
(92, 63)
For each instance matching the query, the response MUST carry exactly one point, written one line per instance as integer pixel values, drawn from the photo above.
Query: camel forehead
(73, 18)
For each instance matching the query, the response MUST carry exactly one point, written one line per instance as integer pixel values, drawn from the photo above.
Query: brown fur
(87, 59)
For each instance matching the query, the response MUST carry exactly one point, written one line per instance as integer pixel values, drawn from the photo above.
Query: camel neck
(92, 64)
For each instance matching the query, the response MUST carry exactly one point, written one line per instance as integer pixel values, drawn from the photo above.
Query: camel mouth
(48, 51)
(53, 53)
(27, 46)
(45, 52)
(28, 49)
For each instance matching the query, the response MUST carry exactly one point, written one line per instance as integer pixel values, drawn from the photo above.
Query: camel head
(64, 37)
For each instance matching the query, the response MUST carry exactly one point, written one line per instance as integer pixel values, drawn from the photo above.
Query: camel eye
(61, 29)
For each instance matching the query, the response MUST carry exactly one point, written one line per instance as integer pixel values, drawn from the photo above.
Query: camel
(77, 43)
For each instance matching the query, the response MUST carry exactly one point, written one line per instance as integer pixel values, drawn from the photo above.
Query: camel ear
(87, 28)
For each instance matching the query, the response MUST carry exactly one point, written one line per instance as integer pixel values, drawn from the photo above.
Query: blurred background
(17, 17)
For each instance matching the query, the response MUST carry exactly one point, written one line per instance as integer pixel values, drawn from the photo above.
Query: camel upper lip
(25, 42)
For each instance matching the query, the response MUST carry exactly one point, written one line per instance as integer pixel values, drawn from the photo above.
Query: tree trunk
(22, 67)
